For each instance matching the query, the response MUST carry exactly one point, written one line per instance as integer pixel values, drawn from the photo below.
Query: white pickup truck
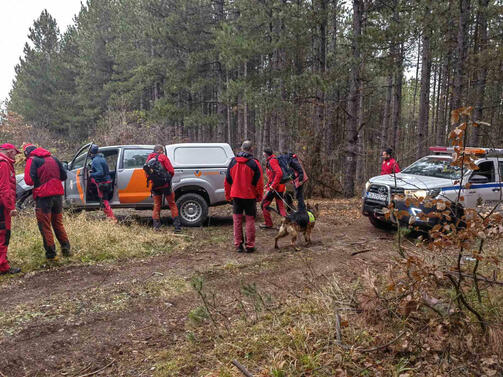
(434, 177)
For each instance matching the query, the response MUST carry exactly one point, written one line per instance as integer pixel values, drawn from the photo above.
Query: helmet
(94, 149)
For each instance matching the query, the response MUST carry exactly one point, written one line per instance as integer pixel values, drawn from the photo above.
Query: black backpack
(156, 173)
(290, 165)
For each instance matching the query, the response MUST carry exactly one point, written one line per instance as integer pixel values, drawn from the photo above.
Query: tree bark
(461, 52)
(424, 96)
(353, 102)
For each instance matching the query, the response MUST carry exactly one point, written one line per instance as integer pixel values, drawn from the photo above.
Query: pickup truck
(433, 177)
(198, 183)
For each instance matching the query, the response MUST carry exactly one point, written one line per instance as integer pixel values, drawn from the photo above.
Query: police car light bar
(470, 150)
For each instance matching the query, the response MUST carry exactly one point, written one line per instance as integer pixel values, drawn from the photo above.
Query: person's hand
(13, 213)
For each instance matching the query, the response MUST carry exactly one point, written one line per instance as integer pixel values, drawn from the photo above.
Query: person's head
(93, 151)
(387, 153)
(28, 148)
(268, 152)
(159, 149)
(9, 150)
(247, 146)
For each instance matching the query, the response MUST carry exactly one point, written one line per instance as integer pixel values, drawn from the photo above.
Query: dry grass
(93, 240)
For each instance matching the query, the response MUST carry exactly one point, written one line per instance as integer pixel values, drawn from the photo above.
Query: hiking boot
(50, 253)
(65, 250)
(157, 224)
(11, 271)
(265, 226)
(240, 248)
(177, 224)
(250, 249)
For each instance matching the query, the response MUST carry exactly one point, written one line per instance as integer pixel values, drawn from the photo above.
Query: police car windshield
(438, 167)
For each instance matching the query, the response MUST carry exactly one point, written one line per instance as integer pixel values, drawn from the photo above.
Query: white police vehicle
(434, 177)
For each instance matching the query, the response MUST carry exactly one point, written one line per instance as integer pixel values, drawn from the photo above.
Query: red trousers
(248, 207)
(269, 197)
(49, 212)
(5, 222)
(100, 187)
(170, 197)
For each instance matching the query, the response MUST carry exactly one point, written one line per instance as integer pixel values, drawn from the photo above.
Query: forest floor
(141, 316)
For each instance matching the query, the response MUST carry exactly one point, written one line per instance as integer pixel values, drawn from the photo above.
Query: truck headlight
(367, 186)
(421, 193)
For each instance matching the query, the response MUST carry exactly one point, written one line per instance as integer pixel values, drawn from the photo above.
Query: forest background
(336, 81)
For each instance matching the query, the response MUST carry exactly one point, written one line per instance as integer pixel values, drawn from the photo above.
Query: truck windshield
(434, 167)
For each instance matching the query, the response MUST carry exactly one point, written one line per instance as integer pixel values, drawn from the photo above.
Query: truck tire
(193, 209)
(379, 223)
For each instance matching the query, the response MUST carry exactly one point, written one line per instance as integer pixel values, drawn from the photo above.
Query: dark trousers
(249, 208)
(49, 212)
(105, 192)
(5, 221)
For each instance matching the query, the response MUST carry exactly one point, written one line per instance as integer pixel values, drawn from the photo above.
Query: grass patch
(92, 241)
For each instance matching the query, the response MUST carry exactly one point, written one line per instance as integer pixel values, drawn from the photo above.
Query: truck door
(483, 193)
(131, 178)
(76, 182)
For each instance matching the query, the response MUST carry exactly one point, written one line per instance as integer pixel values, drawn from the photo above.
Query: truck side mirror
(477, 178)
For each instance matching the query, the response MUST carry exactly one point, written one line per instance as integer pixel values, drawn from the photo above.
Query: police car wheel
(192, 209)
(379, 223)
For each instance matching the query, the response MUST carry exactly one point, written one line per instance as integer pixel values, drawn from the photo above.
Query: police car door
(487, 193)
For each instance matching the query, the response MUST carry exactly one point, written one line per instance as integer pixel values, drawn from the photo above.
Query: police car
(434, 177)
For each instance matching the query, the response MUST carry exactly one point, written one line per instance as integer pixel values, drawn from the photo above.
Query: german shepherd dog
(298, 222)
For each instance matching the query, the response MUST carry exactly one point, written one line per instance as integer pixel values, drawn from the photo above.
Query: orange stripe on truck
(136, 190)
(79, 186)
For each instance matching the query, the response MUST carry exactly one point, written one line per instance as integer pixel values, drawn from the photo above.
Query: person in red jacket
(46, 173)
(7, 203)
(165, 190)
(244, 186)
(274, 189)
(389, 164)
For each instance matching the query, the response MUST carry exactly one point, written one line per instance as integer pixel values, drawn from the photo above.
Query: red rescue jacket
(274, 174)
(7, 183)
(45, 173)
(390, 166)
(166, 163)
(244, 178)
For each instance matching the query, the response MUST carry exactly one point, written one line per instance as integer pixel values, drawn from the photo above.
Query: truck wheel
(379, 223)
(193, 209)
(26, 201)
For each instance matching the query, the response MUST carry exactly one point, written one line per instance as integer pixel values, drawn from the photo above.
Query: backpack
(290, 165)
(156, 173)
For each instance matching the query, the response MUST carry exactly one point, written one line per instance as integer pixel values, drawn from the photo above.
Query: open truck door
(76, 182)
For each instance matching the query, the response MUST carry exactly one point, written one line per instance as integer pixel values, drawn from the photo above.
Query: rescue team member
(46, 174)
(244, 186)
(165, 190)
(298, 182)
(100, 177)
(389, 164)
(274, 189)
(7, 203)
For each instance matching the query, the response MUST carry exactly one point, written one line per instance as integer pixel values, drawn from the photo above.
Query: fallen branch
(384, 345)
(241, 368)
(97, 371)
(361, 251)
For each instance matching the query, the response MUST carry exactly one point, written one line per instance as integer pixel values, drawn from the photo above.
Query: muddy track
(75, 320)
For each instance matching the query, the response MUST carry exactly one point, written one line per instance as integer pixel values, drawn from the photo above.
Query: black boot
(157, 224)
(50, 253)
(11, 271)
(178, 225)
(65, 250)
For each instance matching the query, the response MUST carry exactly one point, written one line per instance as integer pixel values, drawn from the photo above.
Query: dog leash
(283, 200)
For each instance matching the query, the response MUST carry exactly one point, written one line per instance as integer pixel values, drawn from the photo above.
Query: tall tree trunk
(246, 135)
(353, 102)
(481, 68)
(385, 141)
(424, 96)
(396, 114)
(461, 52)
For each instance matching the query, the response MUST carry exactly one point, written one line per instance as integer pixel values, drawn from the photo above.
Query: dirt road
(116, 317)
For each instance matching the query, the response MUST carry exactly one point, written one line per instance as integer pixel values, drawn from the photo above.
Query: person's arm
(7, 199)
(167, 164)
(273, 162)
(258, 180)
(298, 168)
(228, 181)
(27, 172)
(396, 167)
(62, 171)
